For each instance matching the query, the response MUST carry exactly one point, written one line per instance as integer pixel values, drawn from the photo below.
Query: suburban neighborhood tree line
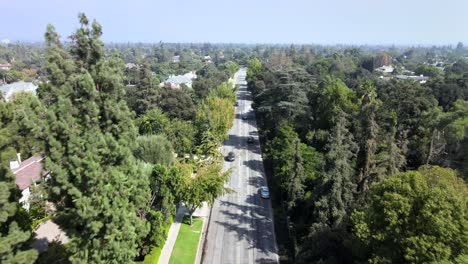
(118, 170)
(363, 169)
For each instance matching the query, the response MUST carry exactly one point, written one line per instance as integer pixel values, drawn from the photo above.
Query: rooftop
(29, 171)
(9, 89)
(179, 79)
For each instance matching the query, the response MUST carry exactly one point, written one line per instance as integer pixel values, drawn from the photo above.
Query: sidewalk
(204, 212)
(172, 236)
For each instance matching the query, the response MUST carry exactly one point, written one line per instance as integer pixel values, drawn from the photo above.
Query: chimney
(19, 157)
(14, 164)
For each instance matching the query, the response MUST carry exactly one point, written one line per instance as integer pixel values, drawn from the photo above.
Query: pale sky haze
(400, 22)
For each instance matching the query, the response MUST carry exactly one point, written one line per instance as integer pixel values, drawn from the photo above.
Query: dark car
(244, 117)
(236, 103)
(231, 156)
(250, 140)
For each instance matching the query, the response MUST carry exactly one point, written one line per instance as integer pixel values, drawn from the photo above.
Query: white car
(264, 193)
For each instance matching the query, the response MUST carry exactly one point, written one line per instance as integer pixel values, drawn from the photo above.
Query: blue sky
(404, 22)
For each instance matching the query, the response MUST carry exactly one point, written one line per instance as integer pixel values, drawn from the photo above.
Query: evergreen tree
(390, 158)
(95, 182)
(285, 154)
(13, 237)
(154, 149)
(337, 186)
(326, 242)
(368, 141)
(147, 94)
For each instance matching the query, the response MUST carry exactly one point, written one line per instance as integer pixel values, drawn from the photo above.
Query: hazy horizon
(335, 22)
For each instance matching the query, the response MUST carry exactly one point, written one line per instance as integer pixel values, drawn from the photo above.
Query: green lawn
(153, 256)
(185, 248)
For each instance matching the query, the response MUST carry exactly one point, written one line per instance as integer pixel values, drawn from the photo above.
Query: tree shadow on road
(254, 224)
(255, 165)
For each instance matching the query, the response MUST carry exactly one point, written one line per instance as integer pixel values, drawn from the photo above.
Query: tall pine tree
(368, 140)
(95, 182)
(334, 198)
(337, 184)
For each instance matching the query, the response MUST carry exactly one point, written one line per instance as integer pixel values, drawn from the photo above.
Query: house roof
(179, 79)
(9, 89)
(131, 65)
(30, 170)
(413, 77)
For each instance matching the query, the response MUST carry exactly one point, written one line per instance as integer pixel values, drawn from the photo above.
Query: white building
(9, 89)
(27, 173)
(385, 69)
(5, 67)
(175, 81)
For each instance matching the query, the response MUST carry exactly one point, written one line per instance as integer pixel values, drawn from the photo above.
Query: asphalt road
(241, 225)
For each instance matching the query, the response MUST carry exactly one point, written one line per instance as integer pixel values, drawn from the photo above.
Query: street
(241, 227)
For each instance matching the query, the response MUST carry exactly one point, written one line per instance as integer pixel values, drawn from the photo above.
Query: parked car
(236, 103)
(244, 117)
(264, 193)
(231, 156)
(250, 140)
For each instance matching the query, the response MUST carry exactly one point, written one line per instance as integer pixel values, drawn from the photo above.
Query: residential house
(385, 69)
(131, 65)
(9, 89)
(207, 59)
(420, 78)
(5, 67)
(176, 59)
(27, 173)
(175, 81)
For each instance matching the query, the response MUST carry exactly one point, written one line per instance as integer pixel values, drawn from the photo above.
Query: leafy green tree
(327, 101)
(293, 162)
(95, 182)
(254, 68)
(217, 114)
(428, 70)
(177, 104)
(415, 107)
(415, 217)
(165, 184)
(181, 133)
(205, 186)
(154, 149)
(454, 127)
(153, 122)
(166, 187)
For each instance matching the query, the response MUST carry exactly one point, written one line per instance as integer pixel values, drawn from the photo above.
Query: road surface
(241, 225)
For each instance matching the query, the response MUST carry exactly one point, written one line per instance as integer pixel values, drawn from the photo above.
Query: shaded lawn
(153, 256)
(185, 248)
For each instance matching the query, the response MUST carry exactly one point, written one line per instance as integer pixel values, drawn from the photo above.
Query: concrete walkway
(204, 212)
(172, 236)
(47, 232)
